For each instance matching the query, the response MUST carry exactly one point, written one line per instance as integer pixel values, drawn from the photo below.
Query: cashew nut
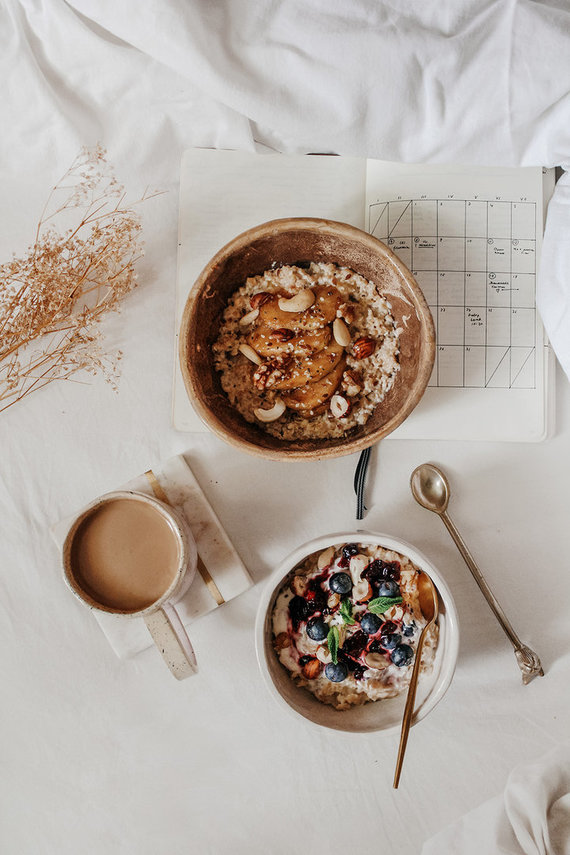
(298, 303)
(271, 415)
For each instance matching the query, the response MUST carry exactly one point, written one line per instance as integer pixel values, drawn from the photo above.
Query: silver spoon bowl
(431, 490)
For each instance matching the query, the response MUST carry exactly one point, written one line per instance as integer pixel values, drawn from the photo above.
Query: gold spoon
(431, 490)
(430, 609)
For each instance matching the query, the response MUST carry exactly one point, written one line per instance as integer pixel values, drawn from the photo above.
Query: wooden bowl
(290, 241)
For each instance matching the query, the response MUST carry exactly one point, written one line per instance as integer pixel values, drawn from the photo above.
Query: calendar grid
(475, 260)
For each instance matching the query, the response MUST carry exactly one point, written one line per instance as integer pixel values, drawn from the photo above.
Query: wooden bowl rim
(335, 446)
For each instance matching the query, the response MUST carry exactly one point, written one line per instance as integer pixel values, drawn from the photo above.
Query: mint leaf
(346, 612)
(382, 604)
(332, 641)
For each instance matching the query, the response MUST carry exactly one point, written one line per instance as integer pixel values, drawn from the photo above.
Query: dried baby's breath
(79, 268)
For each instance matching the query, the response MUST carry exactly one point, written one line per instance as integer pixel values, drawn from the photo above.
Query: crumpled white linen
(418, 82)
(532, 816)
(466, 82)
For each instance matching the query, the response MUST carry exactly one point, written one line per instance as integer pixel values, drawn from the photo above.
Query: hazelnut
(281, 641)
(271, 415)
(347, 312)
(333, 601)
(324, 655)
(375, 660)
(364, 347)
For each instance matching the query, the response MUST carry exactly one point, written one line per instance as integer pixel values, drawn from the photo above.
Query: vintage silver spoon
(431, 490)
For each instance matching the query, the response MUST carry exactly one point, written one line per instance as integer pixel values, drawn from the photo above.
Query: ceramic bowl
(383, 715)
(292, 241)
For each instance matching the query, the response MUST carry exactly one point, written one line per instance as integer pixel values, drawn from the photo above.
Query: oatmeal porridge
(307, 351)
(347, 622)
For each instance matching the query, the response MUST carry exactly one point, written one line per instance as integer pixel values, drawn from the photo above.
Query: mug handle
(170, 637)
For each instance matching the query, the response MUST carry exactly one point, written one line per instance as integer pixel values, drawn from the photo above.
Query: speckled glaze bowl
(291, 241)
(383, 715)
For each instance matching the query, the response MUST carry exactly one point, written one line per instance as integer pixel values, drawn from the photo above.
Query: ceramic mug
(90, 574)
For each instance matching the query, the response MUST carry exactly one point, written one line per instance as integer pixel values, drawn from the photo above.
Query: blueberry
(390, 640)
(336, 673)
(409, 628)
(340, 583)
(402, 655)
(389, 588)
(317, 629)
(370, 623)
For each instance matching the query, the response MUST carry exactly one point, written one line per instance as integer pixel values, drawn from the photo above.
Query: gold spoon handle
(409, 708)
(528, 661)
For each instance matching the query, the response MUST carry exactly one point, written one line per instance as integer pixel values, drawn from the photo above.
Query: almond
(311, 669)
(341, 332)
(340, 406)
(364, 347)
(249, 318)
(281, 641)
(257, 300)
(250, 353)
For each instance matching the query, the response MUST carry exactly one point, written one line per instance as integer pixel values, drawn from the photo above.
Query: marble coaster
(221, 574)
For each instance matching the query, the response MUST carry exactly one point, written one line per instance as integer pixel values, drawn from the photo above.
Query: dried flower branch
(53, 298)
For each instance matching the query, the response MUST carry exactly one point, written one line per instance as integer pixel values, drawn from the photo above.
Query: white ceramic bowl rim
(388, 542)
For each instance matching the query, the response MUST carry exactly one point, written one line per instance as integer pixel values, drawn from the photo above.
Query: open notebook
(470, 235)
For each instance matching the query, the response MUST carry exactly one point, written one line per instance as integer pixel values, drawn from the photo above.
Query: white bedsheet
(101, 756)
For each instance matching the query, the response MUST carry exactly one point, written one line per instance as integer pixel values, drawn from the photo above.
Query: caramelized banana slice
(289, 372)
(312, 396)
(322, 312)
(268, 342)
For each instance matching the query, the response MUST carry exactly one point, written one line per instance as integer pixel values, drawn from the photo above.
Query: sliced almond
(376, 661)
(271, 415)
(325, 558)
(324, 655)
(341, 332)
(298, 303)
(249, 353)
(362, 591)
(358, 563)
(394, 613)
(249, 318)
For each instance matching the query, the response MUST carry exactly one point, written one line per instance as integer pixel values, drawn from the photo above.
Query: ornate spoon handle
(527, 659)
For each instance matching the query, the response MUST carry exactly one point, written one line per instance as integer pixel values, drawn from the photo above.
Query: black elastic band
(360, 481)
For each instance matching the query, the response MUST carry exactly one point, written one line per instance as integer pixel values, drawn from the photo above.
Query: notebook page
(472, 238)
(223, 193)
